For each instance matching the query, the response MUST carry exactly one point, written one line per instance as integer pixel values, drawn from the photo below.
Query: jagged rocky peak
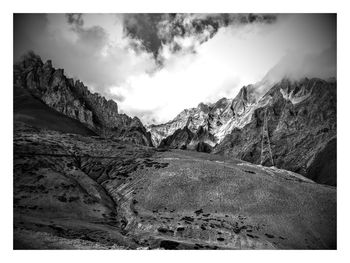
(73, 99)
(221, 105)
(301, 121)
(245, 97)
(218, 118)
(297, 91)
(191, 118)
(204, 107)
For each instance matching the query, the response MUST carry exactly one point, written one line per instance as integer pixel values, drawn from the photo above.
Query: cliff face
(74, 100)
(219, 118)
(301, 123)
(192, 118)
(209, 123)
(200, 140)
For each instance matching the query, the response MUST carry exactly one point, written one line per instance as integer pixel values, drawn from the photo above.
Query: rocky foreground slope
(73, 191)
(38, 85)
(301, 122)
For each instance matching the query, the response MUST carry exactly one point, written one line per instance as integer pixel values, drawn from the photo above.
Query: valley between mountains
(88, 177)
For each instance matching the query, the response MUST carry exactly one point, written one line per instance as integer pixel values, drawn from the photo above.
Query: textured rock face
(74, 100)
(34, 112)
(208, 117)
(200, 140)
(323, 166)
(192, 118)
(217, 119)
(178, 140)
(301, 120)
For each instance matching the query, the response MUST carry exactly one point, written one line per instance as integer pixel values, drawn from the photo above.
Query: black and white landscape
(175, 131)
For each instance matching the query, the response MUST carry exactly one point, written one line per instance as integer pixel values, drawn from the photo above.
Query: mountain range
(300, 119)
(254, 172)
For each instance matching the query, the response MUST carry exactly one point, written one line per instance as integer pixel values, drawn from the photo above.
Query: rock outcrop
(217, 120)
(301, 122)
(73, 99)
(200, 140)
(191, 118)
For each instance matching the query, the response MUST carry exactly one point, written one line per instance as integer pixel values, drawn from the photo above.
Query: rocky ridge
(218, 119)
(301, 119)
(298, 112)
(73, 99)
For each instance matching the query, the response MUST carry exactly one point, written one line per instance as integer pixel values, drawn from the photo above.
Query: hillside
(81, 192)
(30, 110)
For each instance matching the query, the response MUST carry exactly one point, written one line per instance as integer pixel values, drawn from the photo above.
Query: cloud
(237, 55)
(89, 47)
(295, 66)
(310, 50)
(143, 27)
(155, 65)
(75, 19)
(95, 38)
(182, 32)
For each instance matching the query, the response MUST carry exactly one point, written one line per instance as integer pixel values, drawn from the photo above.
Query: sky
(156, 65)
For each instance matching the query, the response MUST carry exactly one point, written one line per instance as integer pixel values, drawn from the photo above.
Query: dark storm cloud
(143, 27)
(155, 30)
(75, 19)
